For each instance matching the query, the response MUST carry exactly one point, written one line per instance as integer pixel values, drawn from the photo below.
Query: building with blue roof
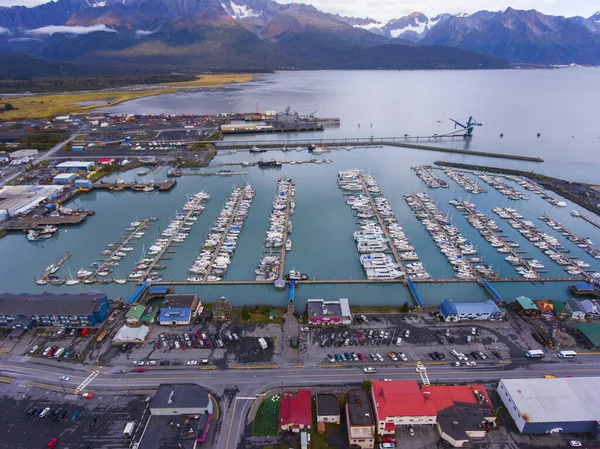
(487, 310)
(175, 316)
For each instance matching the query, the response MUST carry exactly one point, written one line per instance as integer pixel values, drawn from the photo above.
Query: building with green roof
(560, 310)
(590, 332)
(525, 306)
(140, 314)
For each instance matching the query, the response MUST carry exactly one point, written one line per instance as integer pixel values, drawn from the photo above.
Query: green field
(266, 422)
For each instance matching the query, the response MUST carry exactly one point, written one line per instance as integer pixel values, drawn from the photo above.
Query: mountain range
(255, 35)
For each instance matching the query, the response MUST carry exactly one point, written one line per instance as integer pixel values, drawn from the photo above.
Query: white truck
(128, 431)
(263, 343)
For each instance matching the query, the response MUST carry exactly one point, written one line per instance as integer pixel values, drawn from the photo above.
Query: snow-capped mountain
(70, 29)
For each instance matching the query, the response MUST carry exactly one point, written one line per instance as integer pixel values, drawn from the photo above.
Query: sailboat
(71, 281)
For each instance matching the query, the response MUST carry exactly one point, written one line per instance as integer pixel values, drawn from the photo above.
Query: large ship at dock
(271, 121)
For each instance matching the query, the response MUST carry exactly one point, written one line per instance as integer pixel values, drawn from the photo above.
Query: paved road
(47, 155)
(254, 382)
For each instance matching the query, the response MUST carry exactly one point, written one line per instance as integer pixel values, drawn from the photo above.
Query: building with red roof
(106, 161)
(295, 411)
(461, 412)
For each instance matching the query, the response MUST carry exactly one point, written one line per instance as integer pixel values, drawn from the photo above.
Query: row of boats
(461, 253)
(489, 230)
(431, 179)
(549, 244)
(498, 183)
(465, 181)
(371, 211)
(280, 227)
(220, 243)
(533, 187)
(585, 243)
(38, 235)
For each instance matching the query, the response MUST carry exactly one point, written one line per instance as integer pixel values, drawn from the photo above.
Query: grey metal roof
(575, 305)
(181, 396)
(568, 399)
(327, 405)
(49, 304)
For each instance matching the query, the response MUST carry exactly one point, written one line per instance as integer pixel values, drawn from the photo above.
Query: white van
(45, 412)
(399, 341)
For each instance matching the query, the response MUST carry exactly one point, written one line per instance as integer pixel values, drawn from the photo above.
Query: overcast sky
(387, 9)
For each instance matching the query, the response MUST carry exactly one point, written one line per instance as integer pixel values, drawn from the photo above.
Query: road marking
(245, 398)
(298, 366)
(86, 381)
(6, 380)
(256, 367)
(217, 404)
(230, 425)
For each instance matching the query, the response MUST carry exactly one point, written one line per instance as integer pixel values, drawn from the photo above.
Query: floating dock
(285, 231)
(57, 265)
(384, 228)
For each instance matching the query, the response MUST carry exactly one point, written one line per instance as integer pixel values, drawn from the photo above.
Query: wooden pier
(476, 274)
(122, 244)
(496, 234)
(590, 221)
(363, 281)
(158, 257)
(27, 223)
(589, 247)
(135, 186)
(285, 232)
(384, 228)
(217, 250)
(58, 264)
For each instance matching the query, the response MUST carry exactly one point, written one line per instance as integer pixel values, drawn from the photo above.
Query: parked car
(140, 370)
(138, 362)
(64, 378)
(34, 349)
(191, 362)
(370, 370)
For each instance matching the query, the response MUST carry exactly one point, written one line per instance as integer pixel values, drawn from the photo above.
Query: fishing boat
(173, 174)
(575, 213)
(294, 275)
(288, 245)
(255, 149)
(41, 281)
(143, 172)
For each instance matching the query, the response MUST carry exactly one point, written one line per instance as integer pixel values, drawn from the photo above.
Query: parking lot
(395, 339)
(32, 419)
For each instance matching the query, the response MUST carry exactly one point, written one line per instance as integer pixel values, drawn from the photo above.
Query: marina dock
(590, 221)
(384, 228)
(584, 243)
(136, 186)
(27, 223)
(363, 281)
(223, 236)
(285, 231)
(55, 266)
(111, 257)
(469, 209)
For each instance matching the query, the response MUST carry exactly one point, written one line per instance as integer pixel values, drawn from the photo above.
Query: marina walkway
(366, 281)
(285, 231)
(494, 234)
(121, 245)
(217, 250)
(384, 228)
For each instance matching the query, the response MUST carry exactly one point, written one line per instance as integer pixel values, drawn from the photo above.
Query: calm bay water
(558, 104)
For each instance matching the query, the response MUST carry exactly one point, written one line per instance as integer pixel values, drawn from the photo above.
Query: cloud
(144, 33)
(25, 39)
(4, 30)
(54, 29)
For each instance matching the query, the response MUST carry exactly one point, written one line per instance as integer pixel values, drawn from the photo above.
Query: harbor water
(323, 246)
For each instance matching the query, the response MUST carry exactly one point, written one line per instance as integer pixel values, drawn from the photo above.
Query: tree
(9, 107)
(366, 384)
(342, 400)
(404, 308)
(245, 313)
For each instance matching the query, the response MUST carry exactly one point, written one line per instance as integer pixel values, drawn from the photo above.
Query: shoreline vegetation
(50, 105)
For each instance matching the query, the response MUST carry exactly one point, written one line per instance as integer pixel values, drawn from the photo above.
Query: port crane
(468, 127)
